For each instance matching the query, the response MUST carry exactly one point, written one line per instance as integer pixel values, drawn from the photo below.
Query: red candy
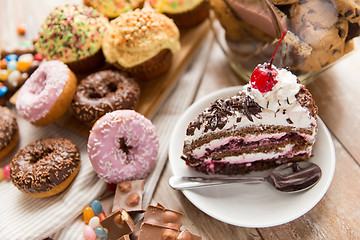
(7, 171)
(102, 216)
(111, 187)
(38, 57)
(3, 63)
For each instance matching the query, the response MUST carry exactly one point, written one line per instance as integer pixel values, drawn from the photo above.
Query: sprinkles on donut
(123, 145)
(9, 131)
(45, 167)
(103, 92)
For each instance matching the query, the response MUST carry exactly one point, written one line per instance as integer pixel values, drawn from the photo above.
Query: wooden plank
(337, 215)
(336, 93)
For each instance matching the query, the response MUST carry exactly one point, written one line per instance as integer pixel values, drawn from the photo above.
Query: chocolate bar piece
(161, 216)
(118, 224)
(155, 232)
(128, 196)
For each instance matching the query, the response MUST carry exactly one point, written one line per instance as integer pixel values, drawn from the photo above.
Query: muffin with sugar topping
(73, 34)
(141, 43)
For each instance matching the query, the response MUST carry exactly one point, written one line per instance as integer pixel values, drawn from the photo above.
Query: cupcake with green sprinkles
(73, 34)
(113, 8)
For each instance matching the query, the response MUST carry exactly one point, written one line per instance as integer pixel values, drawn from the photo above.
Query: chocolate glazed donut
(104, 92)
(45, 167)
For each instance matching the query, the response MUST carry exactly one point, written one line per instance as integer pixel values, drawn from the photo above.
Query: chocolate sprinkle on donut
(44, 164)
(103, 92)
(8, 127)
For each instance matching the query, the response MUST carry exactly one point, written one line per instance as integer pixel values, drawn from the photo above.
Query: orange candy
(87, 214)
(22, 66)
(21, 29)
(4, 74)
(3, 63)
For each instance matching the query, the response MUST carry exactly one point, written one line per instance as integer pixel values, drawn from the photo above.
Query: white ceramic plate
(251, 205)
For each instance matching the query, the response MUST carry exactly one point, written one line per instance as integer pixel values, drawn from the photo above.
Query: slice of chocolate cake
(271, 121)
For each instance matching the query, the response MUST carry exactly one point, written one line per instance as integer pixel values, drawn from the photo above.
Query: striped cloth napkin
(23, 217)
(59, 217)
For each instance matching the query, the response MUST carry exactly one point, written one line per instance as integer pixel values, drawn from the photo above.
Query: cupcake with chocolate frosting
(142, 43)
(73, 34)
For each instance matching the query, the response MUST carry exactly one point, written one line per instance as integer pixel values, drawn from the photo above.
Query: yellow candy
(4, 75)
(87, 214)
(22, 66)
(2, 176)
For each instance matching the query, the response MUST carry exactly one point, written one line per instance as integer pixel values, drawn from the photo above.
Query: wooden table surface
(337, 94)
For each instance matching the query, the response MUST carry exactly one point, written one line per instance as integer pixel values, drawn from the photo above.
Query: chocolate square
(155, 232)
(118, 224)
(161, 216)
(128, 196)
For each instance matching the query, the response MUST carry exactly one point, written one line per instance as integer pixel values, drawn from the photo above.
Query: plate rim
(187, 193)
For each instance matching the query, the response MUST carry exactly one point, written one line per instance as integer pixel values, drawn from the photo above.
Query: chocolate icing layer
(44, 164)
(103, 92)
(8, 127)
(216, 114)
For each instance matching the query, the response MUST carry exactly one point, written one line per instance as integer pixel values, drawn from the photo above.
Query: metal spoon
(288, 177)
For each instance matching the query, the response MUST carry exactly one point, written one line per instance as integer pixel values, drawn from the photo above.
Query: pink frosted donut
(46, 95)
(123, 145)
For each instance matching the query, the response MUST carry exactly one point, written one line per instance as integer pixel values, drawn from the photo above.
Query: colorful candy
(25, 61)
(3, 90)
(100, 232)
(21, 28)
(14, 77)
(11, 65)
(89, 233)
(7, 171)
(2, 176)
(94, 222)
(4, 74)
(87, 214)
(38, 57)
(11, 57)
(3, 63)
(111, 187)
(96, 207)
(102, 216)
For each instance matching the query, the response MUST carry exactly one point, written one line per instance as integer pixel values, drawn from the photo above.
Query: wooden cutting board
(154, 91)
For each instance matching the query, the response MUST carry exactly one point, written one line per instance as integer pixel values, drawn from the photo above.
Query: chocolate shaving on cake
(216, 116)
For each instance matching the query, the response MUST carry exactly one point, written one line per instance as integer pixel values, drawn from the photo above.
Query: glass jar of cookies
(318, 33)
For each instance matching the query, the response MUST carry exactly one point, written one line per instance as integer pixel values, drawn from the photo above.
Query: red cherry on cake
(263, 77)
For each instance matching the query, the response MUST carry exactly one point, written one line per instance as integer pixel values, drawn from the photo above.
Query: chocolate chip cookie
(350, 9)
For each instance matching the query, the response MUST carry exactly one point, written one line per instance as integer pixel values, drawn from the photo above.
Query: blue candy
(100, 232)
(12, 65)
(11, 57)
(96, 207)
(3, 90)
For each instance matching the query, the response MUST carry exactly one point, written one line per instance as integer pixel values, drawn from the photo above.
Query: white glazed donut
(123, 145)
